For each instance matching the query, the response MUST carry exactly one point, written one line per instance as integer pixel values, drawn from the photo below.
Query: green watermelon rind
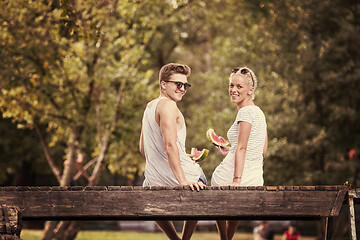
(213, 141)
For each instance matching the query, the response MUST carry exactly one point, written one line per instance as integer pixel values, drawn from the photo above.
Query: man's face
(171, 87)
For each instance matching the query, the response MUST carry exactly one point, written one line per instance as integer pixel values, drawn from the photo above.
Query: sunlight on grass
(31, 234)
(124, 235)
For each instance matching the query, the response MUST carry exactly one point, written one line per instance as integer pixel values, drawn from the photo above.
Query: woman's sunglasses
(179, 85)
(244, 71)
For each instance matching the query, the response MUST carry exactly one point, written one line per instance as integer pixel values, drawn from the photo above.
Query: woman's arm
(265, 145)
(244, 129)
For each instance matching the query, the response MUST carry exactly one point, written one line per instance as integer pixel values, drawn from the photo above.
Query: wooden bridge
(179, 203)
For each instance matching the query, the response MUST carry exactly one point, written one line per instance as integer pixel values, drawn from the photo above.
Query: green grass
(124, 235)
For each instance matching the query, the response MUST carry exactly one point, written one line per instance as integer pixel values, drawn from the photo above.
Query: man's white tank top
(157, 169)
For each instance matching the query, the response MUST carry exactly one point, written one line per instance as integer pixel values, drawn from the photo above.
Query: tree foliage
(65, 63)
(306, 62)
(79, 74)
(76, 67)
(320, 66)
(69, 64)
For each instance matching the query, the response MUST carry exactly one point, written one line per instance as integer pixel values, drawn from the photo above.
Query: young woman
(243, 164)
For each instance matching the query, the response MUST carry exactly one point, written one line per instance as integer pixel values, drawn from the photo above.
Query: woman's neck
(246, 102)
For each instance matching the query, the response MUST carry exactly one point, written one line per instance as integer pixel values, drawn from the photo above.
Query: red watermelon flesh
(199, 155)
(215, 139)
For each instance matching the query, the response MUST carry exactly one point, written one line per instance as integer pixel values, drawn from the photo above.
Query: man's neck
(164, 95)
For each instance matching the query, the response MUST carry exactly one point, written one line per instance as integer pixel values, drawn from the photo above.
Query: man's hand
(193, 185)
(191, 157)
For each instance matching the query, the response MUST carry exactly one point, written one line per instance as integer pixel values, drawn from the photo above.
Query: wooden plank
(307, 188)
(271, 188)
(328, 228)
(95, 188)
(338, 202)
(130, 203)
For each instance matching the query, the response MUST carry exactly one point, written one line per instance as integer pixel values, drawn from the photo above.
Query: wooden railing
(177, 203)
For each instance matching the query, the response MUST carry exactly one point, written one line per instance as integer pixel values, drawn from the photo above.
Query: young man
(162, 141)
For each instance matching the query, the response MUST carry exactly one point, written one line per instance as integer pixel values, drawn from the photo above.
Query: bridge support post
(10, 222)
(352, 223)
(328, 228)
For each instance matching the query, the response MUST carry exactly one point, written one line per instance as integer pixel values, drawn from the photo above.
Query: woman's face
(239, 89)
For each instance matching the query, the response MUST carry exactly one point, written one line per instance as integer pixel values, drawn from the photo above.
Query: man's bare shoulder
(166, 105)
(150, 103)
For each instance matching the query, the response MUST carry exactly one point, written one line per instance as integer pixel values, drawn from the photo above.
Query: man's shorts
(202, 178)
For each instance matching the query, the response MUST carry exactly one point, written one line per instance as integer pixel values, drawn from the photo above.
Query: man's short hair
(173, 68)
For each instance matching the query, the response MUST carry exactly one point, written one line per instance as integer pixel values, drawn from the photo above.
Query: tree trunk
(23, 176)
(62, 230)
(65, 230)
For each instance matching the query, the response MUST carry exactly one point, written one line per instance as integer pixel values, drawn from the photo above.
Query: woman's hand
(236, 182)
(223, 150)
(232, 184)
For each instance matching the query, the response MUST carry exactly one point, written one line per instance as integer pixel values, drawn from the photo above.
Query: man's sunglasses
(179, 85)
(244, 71)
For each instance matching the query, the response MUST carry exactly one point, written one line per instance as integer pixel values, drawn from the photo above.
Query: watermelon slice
(198, 155)
(215, 139)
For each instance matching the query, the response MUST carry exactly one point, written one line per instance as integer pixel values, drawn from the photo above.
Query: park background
(76, 76)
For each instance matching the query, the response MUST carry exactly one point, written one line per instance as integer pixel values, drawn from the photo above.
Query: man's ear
(163, 85)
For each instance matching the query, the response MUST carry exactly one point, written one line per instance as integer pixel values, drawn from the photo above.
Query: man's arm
(168, 113)
(141, 144)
